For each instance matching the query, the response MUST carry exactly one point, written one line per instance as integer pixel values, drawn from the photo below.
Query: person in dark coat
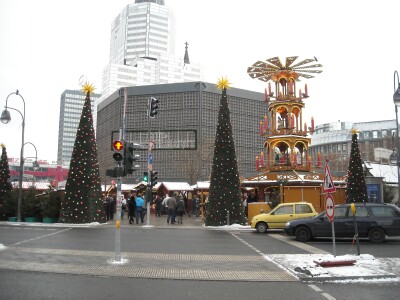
(157, 202)
(109, 208)
(132, 207)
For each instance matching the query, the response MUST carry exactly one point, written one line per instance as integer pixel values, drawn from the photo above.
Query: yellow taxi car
(280, 215)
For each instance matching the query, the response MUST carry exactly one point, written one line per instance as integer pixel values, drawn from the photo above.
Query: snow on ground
(366, 266)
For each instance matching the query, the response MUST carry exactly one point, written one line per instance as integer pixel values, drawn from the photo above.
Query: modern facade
(376, 140)
(71, 105)
(46, 172)
(183, 131)
(142, 49)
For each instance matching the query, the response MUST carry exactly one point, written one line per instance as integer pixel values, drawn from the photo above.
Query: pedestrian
(164, 205)
(195, 205)
(171, 204)
(158, 204)
(105, 207)
(144, 210)
(139, 208)
(123, 206)
(132, 207)
(110, 208)
(180, 208)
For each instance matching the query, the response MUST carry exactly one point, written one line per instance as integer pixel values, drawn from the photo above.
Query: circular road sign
(330, 207)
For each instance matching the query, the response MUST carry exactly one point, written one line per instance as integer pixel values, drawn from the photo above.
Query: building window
(374, 134)
(366, 134)
(384, 133)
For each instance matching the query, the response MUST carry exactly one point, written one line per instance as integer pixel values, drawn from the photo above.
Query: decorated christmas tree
(82, 202)
(224, 193)
(356, 187)
(6, 204)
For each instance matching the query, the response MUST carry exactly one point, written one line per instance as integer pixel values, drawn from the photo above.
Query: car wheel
(303, 234)
(262, 227)
(376, 235)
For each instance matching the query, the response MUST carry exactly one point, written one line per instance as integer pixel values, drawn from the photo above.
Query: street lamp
(35, 164)
(5, 118)
(396, 100)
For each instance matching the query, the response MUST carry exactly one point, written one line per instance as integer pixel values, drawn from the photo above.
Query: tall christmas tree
(356, 186)
(6, 203)
(82, 202)
(225, 195)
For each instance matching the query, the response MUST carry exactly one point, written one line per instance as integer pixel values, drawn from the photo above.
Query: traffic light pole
(118, 216)
(148, 190)
(118, 210)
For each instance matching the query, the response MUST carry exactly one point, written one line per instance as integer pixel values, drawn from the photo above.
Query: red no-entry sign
(330, 207)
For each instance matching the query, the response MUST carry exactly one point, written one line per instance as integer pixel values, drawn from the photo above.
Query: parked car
(374, 221)
(280, 215)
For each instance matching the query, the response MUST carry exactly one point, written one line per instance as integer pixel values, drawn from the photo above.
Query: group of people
(173, 205)
(135, 205)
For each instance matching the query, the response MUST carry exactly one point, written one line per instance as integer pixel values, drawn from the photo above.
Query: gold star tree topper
(223, 83)
(354, 131)
(88, 88)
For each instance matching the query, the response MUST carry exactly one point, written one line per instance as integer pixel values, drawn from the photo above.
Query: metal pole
(333, 238)
(356, 234)
(21, 157)
(398, 155)
(119, 196)
(396, 102)
(118, 218)
(149, 169)
(21, 171)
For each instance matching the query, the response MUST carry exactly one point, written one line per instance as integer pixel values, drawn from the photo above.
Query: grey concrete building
(184, 129)
(376, 140)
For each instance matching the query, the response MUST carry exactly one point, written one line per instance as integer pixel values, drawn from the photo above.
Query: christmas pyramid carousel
(286, 170)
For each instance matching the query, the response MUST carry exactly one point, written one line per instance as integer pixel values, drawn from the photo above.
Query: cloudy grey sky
(45, 46)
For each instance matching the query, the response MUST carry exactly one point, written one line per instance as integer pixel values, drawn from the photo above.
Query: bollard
(227, 218)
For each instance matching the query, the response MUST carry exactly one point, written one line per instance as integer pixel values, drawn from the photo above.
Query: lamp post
(396, 100)
(35, 163)
(5, 118)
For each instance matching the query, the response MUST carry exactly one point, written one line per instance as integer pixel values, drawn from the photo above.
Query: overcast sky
(45, 46)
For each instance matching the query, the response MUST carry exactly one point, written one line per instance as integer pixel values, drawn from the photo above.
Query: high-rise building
(71, 104)
(142, 49)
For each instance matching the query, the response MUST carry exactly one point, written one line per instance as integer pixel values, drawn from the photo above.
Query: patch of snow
(121, 262)
(230, 227)
(366, 265)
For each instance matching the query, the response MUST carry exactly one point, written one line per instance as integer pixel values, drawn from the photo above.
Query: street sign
(150, 160)
(328, 186)
(330, 207)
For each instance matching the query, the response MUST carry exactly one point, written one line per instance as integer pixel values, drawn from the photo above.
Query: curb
(305, 278)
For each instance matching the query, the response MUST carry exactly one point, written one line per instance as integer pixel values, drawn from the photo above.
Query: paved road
(67, 263)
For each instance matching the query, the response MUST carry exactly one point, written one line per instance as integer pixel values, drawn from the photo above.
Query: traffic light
(153, 106)
(153, 178)
(130, 158)
(145, 176)
(118, 146)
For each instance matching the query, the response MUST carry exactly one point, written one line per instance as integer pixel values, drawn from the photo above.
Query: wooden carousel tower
(286, 172)
(286, 137)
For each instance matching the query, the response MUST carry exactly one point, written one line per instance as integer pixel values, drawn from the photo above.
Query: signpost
(330, 213)
(328, 188)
